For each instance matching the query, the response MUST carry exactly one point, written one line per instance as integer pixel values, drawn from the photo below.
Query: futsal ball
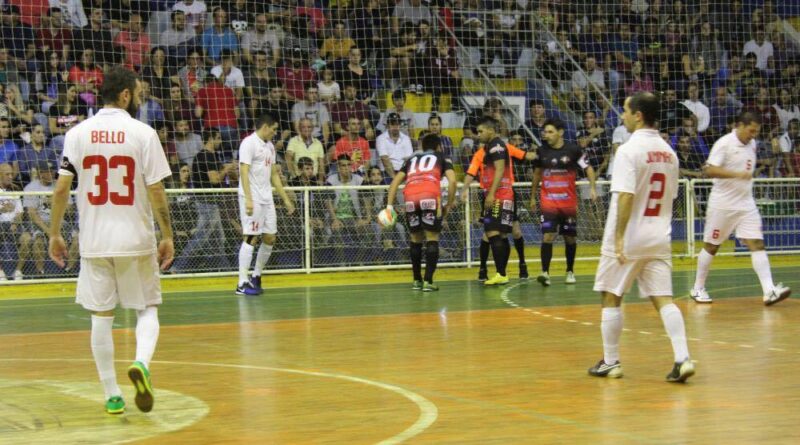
(387, 218)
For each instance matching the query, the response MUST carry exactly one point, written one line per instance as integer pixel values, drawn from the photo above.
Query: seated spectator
(770, 124)
(672, 112)
(281, 112)
(258, 81)
(150, 111)
(34, 154)
(219, 36)
(592, 138)
(159, 75)
(698, 108)
(195, 12)
(353, 73)
(177, 108)
(241, 17)
(179, 37)
(307, 177)
(535, 123)
(338, 45)
(261, 39)
(412, 11)
(443, 72)
(406, 117)
(87, 78)
(18, 112)
(329, 89)
(722, 109)
(16, 35)
(164, 131)
(135, 42)
(402, 53)
(689, 128)
(314, 15)
(96, 36)
(231, 76)
(690, 162)
(295, 76)
(305, 145)
(310, 107)
(11, 217)
(789, 146)
(591, 78)
(72, 10)
(767, 157)
(786, 108)
(52, 34)
(297, 35)
(639, 80)
(760, 46)
(187, 143)
(393, 146)
(9, 152)
(216, 105)
(345, 215)
(435, 127)
(192, 75)
(354, 147)
(350, 106)
(706, 46)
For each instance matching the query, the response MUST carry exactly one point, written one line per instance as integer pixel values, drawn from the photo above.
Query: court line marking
(507, 290)
(428, 410)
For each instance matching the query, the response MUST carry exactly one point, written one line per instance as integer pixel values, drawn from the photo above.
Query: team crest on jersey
(496, 148)
(565, 159)
(554, 161)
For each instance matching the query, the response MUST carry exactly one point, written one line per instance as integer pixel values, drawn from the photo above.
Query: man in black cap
(393, 146)
(406, 117)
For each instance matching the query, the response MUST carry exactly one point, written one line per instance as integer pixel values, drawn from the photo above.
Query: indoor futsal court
(362, 359)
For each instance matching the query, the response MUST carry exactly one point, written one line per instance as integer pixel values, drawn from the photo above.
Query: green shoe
(140, 377)
(115, 405)
(417, 285)
(429, 287)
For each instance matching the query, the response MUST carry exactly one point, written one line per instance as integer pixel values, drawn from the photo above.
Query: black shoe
(681, 371)
(483, 275)
(601, 369)
(523, 271)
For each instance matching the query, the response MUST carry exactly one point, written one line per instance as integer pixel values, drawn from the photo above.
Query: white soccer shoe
(778, 294)
(570, 278)
(700, 296)
(18, 275)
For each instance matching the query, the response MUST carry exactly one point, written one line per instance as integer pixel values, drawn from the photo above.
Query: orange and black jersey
(424, 171)
(559, 172)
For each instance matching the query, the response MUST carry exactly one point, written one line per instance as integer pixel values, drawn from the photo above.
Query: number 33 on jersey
(114, 157)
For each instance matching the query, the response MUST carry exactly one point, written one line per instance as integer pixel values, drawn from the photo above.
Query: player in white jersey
(638, 237)
(731, 207)
(119, 164)
(259, 173)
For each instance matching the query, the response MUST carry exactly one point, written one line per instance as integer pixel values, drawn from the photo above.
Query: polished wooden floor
(379, 363)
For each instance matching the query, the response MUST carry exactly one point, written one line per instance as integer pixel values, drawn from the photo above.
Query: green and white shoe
(429, 287)
(115, 405)
(140, 377)
(417, 285)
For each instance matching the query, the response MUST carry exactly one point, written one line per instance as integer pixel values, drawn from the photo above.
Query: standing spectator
(406, 117)
(54, 36)
(789, 145)
(209, 170)
(230, 76)
(305, 145)
(63, 115)
(192, 75)
(34, 154)
(187, 143)
(350, 106)
(195, 11)
(135, 42)
(11, 217)
(393, 146)
(698, 108)
(159, 75)
(310, 107)
(219, 36)
(150, 111)
(354, 147)
(295, 75)
(761, 47)
(87, 78)
(216, 105)
(260, 38)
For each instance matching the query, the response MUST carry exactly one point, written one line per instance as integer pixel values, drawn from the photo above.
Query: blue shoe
(246, 289)
(256, 283)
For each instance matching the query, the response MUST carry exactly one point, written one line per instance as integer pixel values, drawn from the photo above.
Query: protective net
(364, 79)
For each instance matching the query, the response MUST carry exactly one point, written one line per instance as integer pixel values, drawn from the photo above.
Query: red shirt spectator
(357, 149)
(342, 111)
(135, 42)
(295, 77)
(31, 11)
(53, 37)
(216, 104)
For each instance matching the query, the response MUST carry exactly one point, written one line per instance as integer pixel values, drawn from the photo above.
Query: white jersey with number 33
(647, 167)
(260, 156)
(115, 158)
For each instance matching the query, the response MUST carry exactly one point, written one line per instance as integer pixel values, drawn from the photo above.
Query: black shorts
(482, 195)
(562, 220)
(423, 212)
(500, 217)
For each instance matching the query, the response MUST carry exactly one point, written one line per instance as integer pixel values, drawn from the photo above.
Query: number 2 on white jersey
(657, 181)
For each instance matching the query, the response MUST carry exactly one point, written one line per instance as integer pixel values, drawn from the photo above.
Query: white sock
(103, 352)
(147, 329)
(611, 327)
(703, 264)
(673, 324)
(262, 257)
(761, 266)
(245, 258)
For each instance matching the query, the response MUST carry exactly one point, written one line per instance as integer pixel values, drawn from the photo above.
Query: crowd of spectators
(320, 68)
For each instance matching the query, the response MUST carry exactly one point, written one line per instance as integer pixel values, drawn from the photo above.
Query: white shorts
(654, 276)
(132, 282)
(721, 223)
(263, 219)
